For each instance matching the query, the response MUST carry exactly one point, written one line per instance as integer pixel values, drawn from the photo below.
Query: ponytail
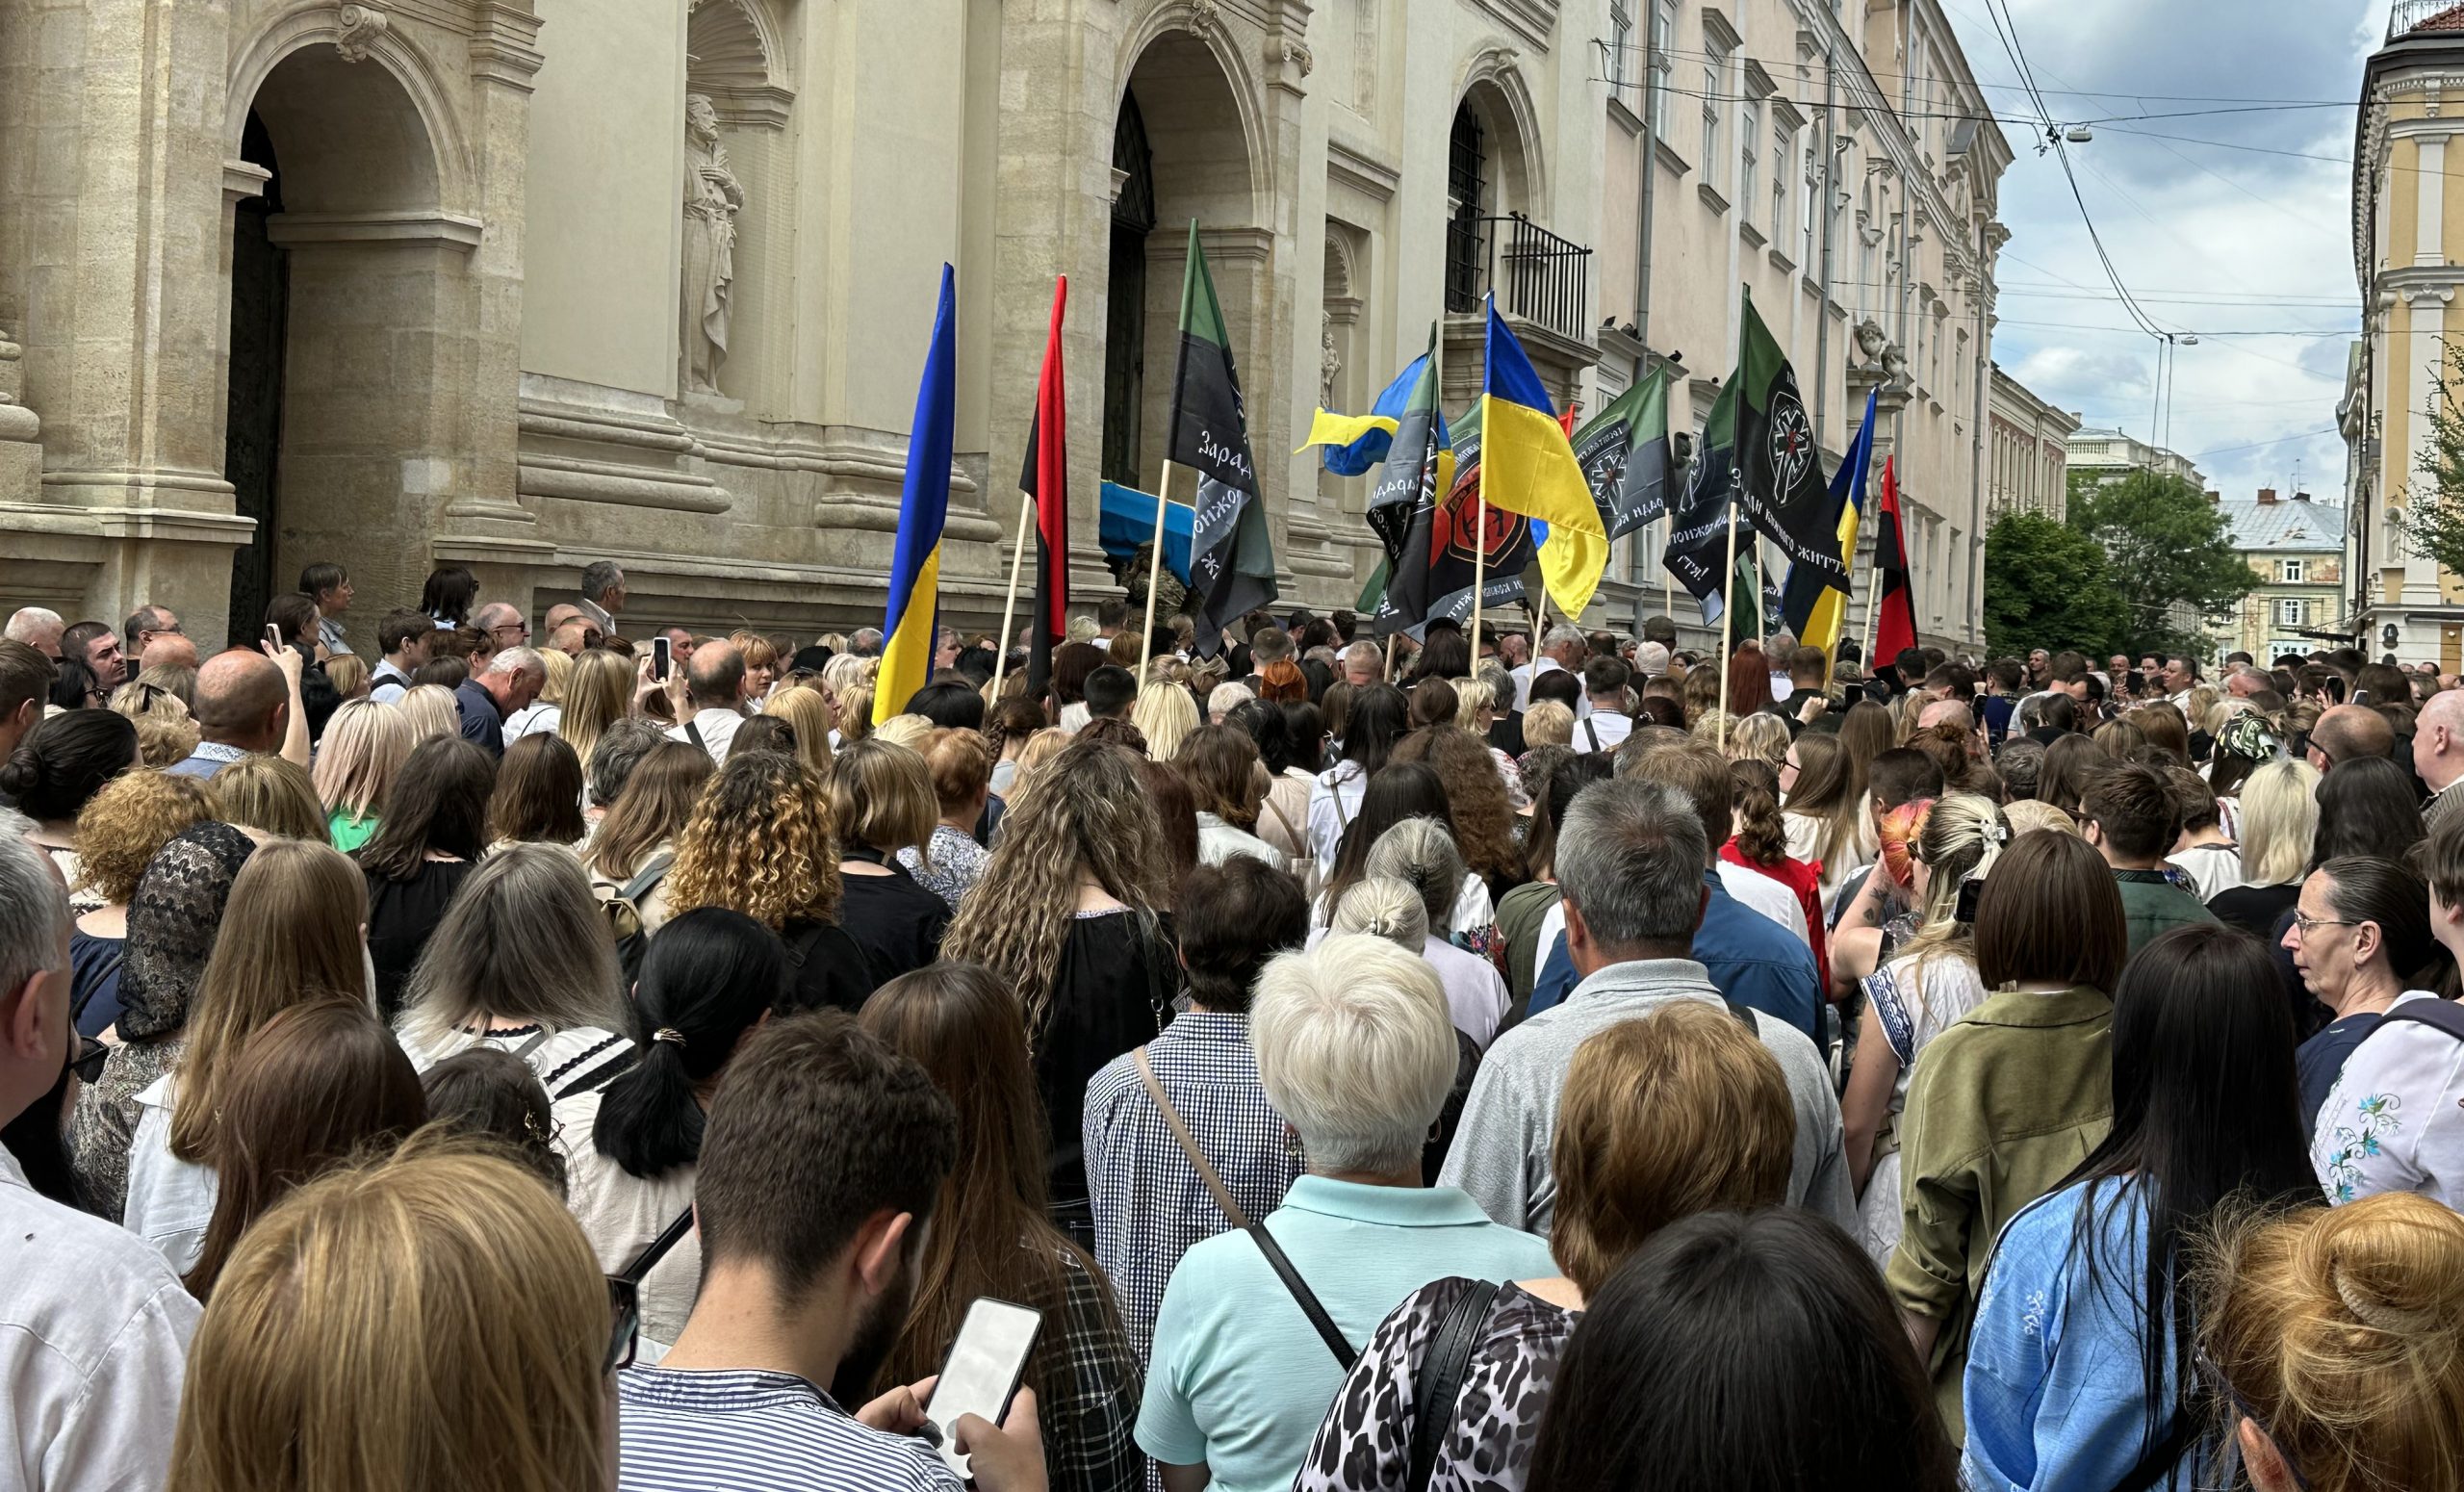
(709, 977)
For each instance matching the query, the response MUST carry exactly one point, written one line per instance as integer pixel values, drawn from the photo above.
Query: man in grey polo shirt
(1629, 864)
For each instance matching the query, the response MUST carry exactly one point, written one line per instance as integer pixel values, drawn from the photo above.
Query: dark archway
(252, 429)
(1125, 318)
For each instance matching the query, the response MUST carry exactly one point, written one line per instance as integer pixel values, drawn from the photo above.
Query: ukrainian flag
(1528, 466)
(923, 508)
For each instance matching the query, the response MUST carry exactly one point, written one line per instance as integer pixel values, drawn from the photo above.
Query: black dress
(401, 915)
(898, 923)
(1114, 992)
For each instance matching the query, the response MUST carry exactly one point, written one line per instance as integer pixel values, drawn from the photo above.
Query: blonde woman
(1067, 914)
(270, 794)
(762, 841)
(348, 673)
(597, 695)
(883, 802)
(1040, 748)
(2279, 818)
(1165, 714)
(808, 712)
(855, 711)
(442, 1324)
(542, 716)
(908, 731)
(1548, 723)
(1759, 737)
(119, 832)
(636, 845)
(289, 937)
(760, 662)
(431, 710)
(2029, 816)
(1924, 983)
(364, 749)
(166, 732)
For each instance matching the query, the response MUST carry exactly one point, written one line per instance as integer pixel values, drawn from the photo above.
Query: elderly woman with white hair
(1258, 1327)
(1419, 854)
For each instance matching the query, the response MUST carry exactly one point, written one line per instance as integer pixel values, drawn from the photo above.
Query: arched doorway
(1180, 152)
(353, 314)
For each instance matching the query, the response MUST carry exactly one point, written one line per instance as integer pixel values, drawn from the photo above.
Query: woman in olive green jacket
(2012, 1097)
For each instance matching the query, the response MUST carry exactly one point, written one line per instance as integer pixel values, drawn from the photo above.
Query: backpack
(622, 906)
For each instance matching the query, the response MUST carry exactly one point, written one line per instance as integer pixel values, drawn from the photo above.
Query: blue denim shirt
(1753, 959)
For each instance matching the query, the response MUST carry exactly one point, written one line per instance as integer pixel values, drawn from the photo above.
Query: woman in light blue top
(2078, 1372)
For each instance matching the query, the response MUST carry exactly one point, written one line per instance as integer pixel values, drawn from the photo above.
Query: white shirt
(1475, 994)
(621, 1213)
(538, 718)
(94, 1336)
(1219, 841)
(2392, 1123)
(2211, 867)
(1334, 800)
(718, 729)
(170, 1201)
(1610, 731)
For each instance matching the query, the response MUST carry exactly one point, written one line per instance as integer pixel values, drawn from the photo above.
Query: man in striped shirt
(822, 1156)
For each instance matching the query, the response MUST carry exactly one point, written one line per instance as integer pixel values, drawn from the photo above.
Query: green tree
(2169, 555)
(2433, 520)
(2046, 586)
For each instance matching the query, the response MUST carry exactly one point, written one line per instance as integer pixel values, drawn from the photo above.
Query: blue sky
(2234, 225)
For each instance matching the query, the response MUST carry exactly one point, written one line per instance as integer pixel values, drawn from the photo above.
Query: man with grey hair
(38, 628)
(1226, 698)
(144, 625)
(714, 686)
(603, 594)
(1355, 1052)
(95, 1324)
(865, 642)
(511, 680)
(1562, 646)
(1630, 867)
(1364, 663)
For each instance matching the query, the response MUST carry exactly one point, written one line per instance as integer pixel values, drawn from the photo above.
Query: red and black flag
(1046, 480)
(1895, 629)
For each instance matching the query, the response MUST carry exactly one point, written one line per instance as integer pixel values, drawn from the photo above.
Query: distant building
(2108, 455)
(2027, 456)
(2295, 547)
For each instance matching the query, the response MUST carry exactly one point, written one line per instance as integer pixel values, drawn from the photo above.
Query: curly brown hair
(1086, 815)
(762, 841)
(1474, 795)
(123, 827)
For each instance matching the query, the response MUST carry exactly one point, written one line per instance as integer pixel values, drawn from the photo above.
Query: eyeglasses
(2215, 1376)
(89, 1059)
(625, 1322)
(2310, 924)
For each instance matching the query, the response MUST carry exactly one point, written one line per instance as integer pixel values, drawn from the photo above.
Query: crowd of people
(466, 1056)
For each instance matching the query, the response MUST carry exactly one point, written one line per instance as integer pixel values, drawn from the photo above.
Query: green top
(2001, 1107)
(348, 833)
(2152, 904)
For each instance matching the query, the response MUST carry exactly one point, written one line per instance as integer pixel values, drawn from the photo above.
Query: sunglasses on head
(625, 1295)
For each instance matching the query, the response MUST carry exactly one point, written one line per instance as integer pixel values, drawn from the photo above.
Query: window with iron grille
(1467, 186)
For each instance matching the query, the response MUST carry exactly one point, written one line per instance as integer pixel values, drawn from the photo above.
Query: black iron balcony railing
(1536, 275)
(2409, 16)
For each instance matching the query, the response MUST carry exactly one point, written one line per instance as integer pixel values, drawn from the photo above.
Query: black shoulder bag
(1439, 1383)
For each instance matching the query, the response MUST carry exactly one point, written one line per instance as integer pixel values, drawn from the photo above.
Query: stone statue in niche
(712, 198)
(1330, 362)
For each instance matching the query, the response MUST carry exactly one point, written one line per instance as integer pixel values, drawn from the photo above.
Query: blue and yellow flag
(1528, 466)
(1816, 604)
(1357, 442)
(923, 507)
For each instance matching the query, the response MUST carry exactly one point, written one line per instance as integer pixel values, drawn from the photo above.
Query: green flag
(1781, 488)
(1231, 556)
(1625, 457)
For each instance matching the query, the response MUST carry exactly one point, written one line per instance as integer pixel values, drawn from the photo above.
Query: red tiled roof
(2450, 19)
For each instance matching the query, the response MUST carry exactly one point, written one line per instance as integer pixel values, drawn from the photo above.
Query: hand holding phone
(661, 651)
(981, 1372)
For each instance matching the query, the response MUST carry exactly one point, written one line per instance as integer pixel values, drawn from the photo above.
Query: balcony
(1543, 288)
(2407, 16)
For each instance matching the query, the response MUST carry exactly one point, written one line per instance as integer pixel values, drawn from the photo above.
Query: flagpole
(1761, 615)
(1009, 601)
(1480, 526)
(1873, 617)
(1728, 623)
(1154, 576)
(1668, 576)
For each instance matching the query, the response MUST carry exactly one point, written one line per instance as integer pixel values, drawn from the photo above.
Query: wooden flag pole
(1762, 616)
(1728, 624)
(1154, 575)
(1008, 601)
(1480, 560)
(1873, 617)
(1668, 576)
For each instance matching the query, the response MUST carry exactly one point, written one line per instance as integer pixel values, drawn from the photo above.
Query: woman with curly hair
(1069, 915)
(1481, 813)
(1008, 726)
(762, 841)
(121, 829)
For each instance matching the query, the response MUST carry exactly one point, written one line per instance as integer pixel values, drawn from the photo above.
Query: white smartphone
(982, 1371)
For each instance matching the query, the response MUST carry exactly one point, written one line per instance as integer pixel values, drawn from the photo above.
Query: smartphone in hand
(982, 1371)
(661, 650)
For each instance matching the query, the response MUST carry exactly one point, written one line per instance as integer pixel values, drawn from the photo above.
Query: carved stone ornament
(1206, 16)
(1297, 53)
(356, 28)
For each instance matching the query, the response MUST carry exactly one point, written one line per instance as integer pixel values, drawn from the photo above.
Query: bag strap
(1439, 1383)
(1285, 819)
(538, 1039)
(2441, 1014)
(1327, 1332)
(647, 877)
(693, 732)
(658, 1247)
(1206, 1171)
(1592, 732)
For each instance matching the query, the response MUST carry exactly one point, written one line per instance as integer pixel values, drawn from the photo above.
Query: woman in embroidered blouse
(992, 1235)
(961, 773)
(1680, 1112)
(2079, 1371)
(1913, 999)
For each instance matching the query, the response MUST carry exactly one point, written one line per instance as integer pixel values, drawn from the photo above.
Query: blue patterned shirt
(755, 1430)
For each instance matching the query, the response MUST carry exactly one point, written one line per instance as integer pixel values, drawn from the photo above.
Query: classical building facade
(1829, 160)
(2101, 454)
(2028, 452)
(531, 283)
(2407, 238)
(2296, 548)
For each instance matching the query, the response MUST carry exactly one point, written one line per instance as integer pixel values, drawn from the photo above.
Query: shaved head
(2438, 739)
(1945, 711)
(239, 700)
(2351, 731)
(169, 649)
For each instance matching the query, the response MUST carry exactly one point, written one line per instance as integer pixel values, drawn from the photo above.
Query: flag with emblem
(1780, 489)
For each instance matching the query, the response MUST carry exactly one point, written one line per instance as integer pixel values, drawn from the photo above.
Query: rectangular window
(1713, 69)
(1781, 154)
(1621, 46)
(1663, 70)
(2293, 571)
(1747, 183)
(1812, 194)
(2293, 613)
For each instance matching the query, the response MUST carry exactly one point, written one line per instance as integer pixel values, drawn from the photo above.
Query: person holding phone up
(822, 1157)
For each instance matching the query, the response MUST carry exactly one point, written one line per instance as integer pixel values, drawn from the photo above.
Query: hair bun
(2393, 1266)
(20, 774)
